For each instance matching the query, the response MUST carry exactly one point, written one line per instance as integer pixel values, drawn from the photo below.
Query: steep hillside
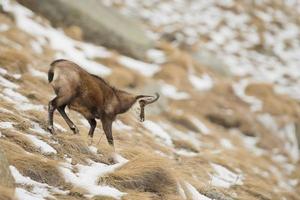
(210, 136)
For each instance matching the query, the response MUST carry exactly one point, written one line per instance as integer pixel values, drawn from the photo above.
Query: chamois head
(143, 101)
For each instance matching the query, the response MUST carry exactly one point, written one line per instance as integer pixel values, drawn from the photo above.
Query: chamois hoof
(51, 129)
(75, 130)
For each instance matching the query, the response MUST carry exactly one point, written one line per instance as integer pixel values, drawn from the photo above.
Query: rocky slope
(209, 137)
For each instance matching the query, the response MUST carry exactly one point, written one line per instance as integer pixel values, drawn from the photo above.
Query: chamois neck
(126, 100)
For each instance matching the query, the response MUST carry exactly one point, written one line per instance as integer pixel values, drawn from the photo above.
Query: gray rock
(100, 25)
(213, 62)
(6, 179)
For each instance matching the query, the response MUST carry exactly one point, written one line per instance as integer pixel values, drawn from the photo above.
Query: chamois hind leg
(72, 126)
(93, 125)
(52, 106)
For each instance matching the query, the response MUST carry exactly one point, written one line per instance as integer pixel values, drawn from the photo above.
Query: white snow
(21, 102)
(181, 191)
(39, 74)
(226, 143)
(239, 90)
(195, 195)
(185, 152)
(6, 83)
(119, 125)
(287, 133)
(22, 194)
(171, 92)
(156, 56)
(224, 177)
(4, 27)
(43, 146)
(37, 128)
(93, 149)
(88, 175)
(250, 144)
(158, 132)
(15, 96)
(29, 106)
(202, 83)
(143, 68)
(79, 52)
(38, 191)
(201, 126)
(6, 125)
(59, 127)
(4, 110)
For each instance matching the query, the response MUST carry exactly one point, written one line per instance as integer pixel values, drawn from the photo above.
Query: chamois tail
(51, 70)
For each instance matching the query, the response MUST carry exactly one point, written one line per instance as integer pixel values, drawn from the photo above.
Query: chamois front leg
(107, 127)
(93, 125)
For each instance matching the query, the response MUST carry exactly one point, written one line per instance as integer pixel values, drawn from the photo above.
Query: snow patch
(202, 83)
(239, 90)
(88, 175)
(43, 146)
(224, 177)
(195, 195)
(143, 68)
(38, 191)
(226, 143)
(39, 74)
(158, 131)
(37, 128)
(79, 52)
(156, 56)
(171, 92)
(201, 126)
(6, 125)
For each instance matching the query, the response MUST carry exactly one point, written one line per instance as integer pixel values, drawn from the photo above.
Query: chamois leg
(52, 106)
(51, 109)
(72, 126)
(93, 125)
(107, 126)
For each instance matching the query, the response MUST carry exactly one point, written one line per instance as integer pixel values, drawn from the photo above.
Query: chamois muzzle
(145, 102)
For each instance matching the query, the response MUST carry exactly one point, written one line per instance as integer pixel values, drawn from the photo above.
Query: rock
(100, 25)
(6, 179)
(213, 62)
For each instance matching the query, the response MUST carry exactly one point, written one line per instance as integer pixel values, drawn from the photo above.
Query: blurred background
(227, 125)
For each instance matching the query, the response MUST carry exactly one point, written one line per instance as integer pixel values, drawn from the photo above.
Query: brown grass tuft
(183, 144)
(6, 193)
(13, 60)
(145, 173)
(74, 147)
(36, 167)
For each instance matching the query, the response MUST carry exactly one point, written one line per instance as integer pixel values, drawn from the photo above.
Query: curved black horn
(153, 100)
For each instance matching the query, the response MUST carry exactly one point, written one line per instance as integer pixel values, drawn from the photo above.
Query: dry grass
(13, 60)
(36, 167)
(21, 140)
(145, 173)
(6, 193)
(274, 103)
(75, 147)
(183, 144)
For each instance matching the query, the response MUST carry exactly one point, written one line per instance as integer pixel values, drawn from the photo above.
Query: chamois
(91, 96)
